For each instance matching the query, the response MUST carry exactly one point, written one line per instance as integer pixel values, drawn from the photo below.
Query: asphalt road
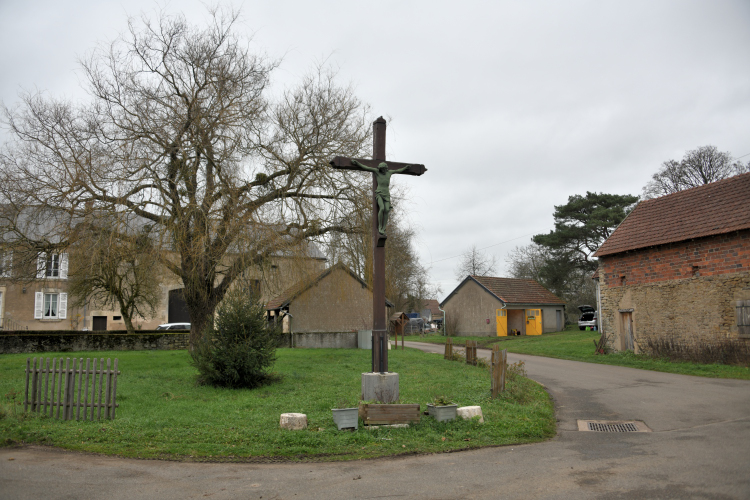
(699, 448)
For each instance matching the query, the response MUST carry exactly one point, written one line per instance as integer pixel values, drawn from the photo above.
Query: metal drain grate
(612, 426)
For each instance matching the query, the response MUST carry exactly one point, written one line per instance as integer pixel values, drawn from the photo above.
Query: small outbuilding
(489, 306)
(333, 303)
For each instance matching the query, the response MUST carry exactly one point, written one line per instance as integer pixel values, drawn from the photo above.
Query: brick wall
(712, 256)
(683, 290)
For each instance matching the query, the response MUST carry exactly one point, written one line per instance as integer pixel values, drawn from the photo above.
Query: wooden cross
(379, 328)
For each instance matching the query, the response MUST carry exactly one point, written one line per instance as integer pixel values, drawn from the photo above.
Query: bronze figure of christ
(382, 191)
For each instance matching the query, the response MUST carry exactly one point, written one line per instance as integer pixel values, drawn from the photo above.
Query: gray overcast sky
(512, 106)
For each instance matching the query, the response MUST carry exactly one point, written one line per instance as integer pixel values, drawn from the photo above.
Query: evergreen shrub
(239, 348)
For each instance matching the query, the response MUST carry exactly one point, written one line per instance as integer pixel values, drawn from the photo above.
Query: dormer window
(53, 265)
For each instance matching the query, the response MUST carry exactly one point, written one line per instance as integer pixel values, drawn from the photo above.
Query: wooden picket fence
(63, 394)
(498, 364)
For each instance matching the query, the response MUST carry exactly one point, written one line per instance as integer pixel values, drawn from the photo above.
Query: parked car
(589, 317)
(174, 326)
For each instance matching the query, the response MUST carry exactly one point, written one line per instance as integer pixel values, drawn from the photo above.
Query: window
(54, 265)
(5, 262)
(50, 305)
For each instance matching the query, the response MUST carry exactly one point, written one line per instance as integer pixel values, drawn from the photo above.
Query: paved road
(699, 448)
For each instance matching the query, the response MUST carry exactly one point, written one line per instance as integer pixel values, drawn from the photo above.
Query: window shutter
(38, 305)
(743, 317)
(62, 306)
(41, 265)
(64, 266)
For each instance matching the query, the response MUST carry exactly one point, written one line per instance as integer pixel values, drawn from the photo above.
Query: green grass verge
(163, 414)
(578, 345)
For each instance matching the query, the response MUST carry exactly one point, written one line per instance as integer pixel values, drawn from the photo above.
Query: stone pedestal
(380, 387)
(468, 412)
(293, 421)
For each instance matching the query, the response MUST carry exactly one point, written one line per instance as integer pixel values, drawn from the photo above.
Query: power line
(485, 248)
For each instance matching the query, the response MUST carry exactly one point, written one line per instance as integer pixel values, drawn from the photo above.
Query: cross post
(379, 326)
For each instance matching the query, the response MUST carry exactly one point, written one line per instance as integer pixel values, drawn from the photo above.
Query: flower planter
(442, 413)
(388, 414)
(346, 418)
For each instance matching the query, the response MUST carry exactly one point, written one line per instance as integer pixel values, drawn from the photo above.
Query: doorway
(177, 311)
(501, 319)
(99, 323)
(628, 335)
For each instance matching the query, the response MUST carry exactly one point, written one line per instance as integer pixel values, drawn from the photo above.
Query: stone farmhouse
(37, 299)
(487, 306)
(679, 267)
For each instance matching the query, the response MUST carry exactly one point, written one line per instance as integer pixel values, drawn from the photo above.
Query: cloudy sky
(512, 105)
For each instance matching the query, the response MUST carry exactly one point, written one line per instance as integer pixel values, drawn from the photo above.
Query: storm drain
(612, 426)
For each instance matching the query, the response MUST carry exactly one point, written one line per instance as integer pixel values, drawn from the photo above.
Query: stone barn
(487, 306)
(678, 267)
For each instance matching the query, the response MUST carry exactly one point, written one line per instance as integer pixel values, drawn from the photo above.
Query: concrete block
(293, 421)
(364, 339)
(467, 412)
(381, 387)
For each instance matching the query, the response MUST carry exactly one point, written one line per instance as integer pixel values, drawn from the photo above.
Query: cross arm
(344, 163)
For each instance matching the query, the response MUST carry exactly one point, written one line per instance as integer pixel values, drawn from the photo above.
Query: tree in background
(474, 262)
(406, 280)
(698, 167)
(582, 225)
(116, 267)
(180, 131)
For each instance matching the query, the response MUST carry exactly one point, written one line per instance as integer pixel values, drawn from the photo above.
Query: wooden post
(26, 395)
(448, 348)
(471, 352)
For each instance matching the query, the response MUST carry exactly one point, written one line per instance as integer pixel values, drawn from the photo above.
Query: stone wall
(685, 291)
(325, 340)
(11, 343)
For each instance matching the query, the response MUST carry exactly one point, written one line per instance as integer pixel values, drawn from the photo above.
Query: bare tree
(179, 131)
(474, 262)
(118, 267)
(698, 167)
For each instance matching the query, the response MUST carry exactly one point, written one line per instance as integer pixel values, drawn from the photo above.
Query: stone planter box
(374, 414)
(346, 418)
(442, 413)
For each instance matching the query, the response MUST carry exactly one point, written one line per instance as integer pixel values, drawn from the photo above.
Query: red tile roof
(716, 208)
(434, 307)
(513, 290)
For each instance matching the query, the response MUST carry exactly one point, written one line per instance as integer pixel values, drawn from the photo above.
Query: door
(501, 319)
(533, 321)
(559, 321)
(628, 336)
(177, 311)
(99, 324)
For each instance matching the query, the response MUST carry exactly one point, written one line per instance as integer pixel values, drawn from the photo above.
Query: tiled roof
(294, 291)
(716, 208)
(513, 290)
(434, 307)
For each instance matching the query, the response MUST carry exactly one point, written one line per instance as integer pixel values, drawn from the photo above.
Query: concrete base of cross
(380, 387)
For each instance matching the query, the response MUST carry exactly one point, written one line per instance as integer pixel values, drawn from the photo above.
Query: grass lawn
(579, 346)
(163, 414)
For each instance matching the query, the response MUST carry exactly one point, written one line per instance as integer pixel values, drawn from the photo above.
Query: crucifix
(381, 205)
